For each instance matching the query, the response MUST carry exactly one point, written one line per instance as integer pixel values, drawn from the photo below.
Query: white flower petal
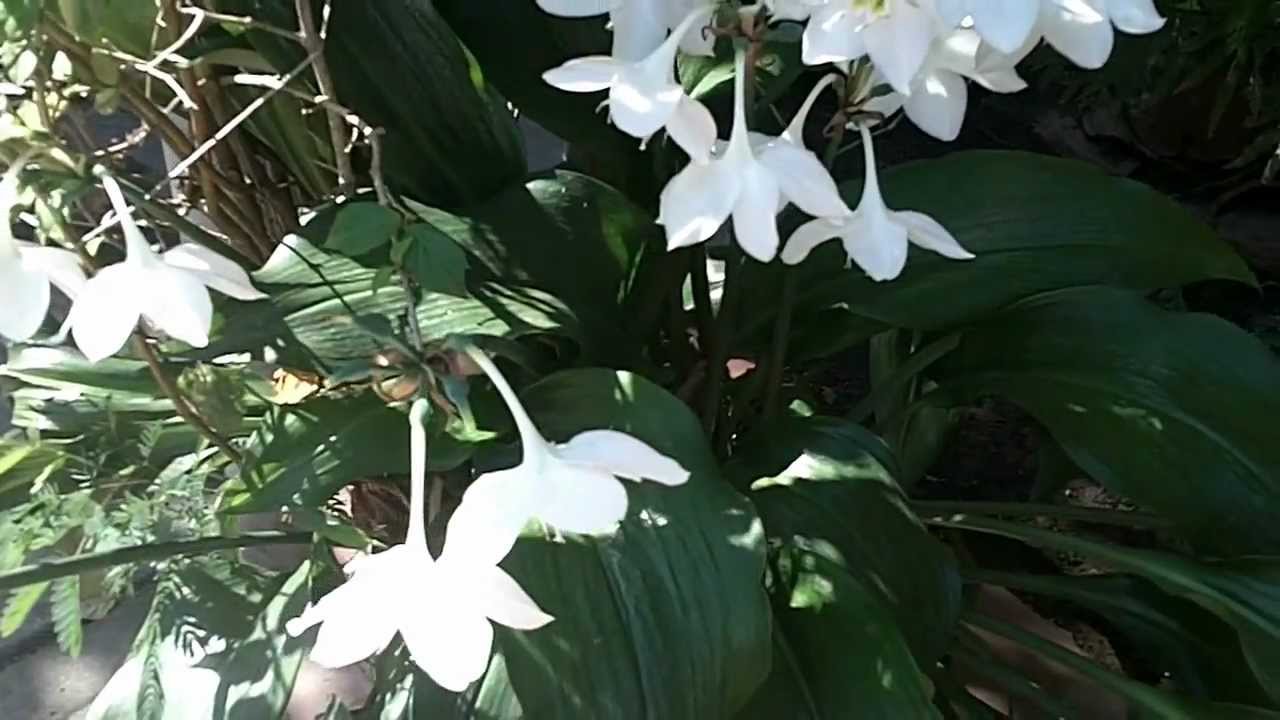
(938, 103)
(877, 244)
(579, 500)
(832, 35)
(810, 235)
(923, 231)
(638, 29)
(493, 512)
(61, 266)
(214, 270)
(498, 596)
(578, 8)
(1078, 30)
(1137, 17)
(1001, 81)
(693, 128)
(584, 74)
(107, 309)
(639, 106)
(450, 642)
(952, 12)
(623, 455)
(24, 298)
(178, 304)
(354, 623)
(755, 215)
(899, 42)
(697, 201)
(803, 180)
(1005, 24)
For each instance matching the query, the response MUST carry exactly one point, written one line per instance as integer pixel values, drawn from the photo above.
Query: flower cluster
(443, 607)
(169, 290)
(913, 56)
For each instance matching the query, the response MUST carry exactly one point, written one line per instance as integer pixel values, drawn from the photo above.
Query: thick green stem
(53, 569)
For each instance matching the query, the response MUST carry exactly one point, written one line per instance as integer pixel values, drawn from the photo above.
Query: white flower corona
(442, 607)
(168, 290)
(572, 487)
(26, 270)
(875, 237)
(747, 185)
(644, 96)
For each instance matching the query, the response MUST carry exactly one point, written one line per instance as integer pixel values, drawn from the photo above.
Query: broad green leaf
(435, 261)
(307, 453)
(863, 624)
(1035, 223)
(516, 42)
(1244, 593)
(1144, 701)
(361, 227)
(316, 297)
(665, 619)
(569, 235)
(450, 139)
(1167, 409)
(1191, 647)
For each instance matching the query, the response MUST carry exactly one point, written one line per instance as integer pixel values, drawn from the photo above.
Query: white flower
(1082, 29)
(644, 96)
(939, 95)
(792, 9)
(875, 237)
(26, 270)
(748, 185)
(572, 487)
(442, 607)
(168, 290)
(1006, 24)
(895, 33)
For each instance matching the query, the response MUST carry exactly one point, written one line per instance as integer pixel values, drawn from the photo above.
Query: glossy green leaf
(862, 624)
(1035, 223)
(569, 235)
(305, 454)
(1244, 593)
(1138, 398)
(435, 261)
(316, 297)
(1195, 651)
(361, 227)
(450, 138)
(517, 42)
(1143, 700)
(665, 619)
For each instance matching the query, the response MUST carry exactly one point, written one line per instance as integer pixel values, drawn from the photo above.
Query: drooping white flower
(644, 96)
(572, 487)
(896, 34)
(26, 270)
(939, 94)
(578, 8)
(875, 237)
(792, 9)
(1082, 29)
(1006, 24)
(167, 289)
(442, 607)
(748, 186)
